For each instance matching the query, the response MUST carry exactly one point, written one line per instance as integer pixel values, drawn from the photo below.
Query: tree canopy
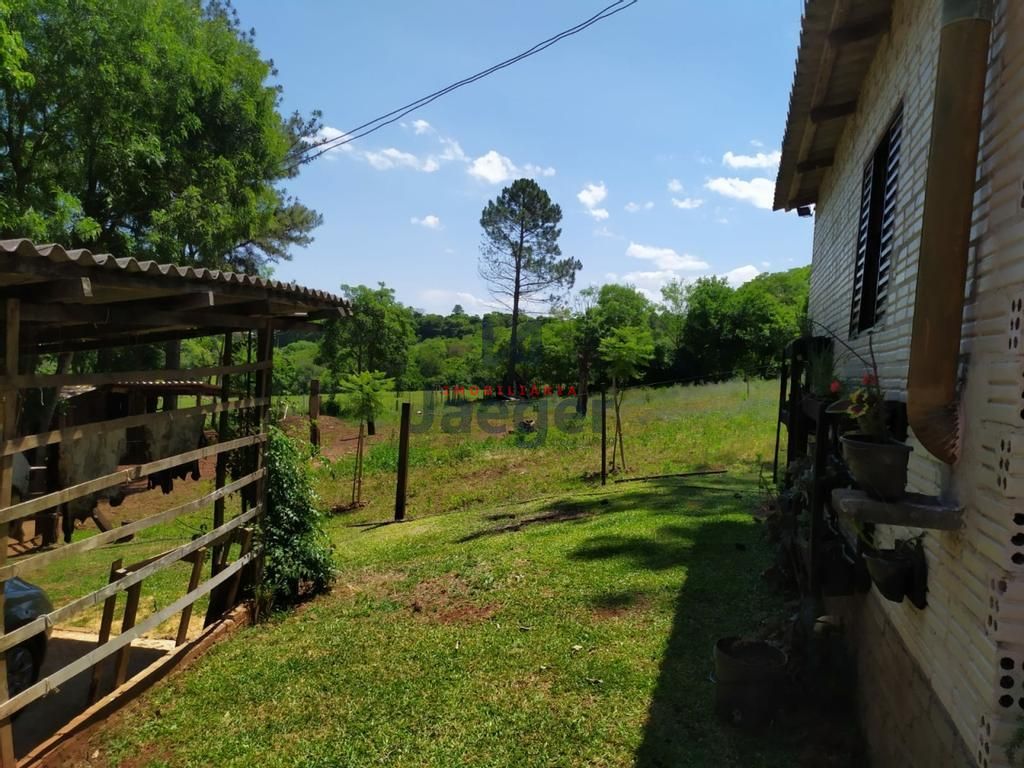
(520, 257)
(147, 128)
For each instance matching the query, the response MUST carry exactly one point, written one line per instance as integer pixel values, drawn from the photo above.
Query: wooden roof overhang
(838, 41)
(74, 300)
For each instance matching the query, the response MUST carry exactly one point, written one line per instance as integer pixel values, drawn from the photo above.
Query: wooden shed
(57, 302)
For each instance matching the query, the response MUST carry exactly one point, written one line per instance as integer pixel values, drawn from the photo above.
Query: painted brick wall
(969, 643)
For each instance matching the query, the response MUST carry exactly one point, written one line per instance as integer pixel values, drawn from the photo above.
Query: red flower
(835, 386)
(869, 380)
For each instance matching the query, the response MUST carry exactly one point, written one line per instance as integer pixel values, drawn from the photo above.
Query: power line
(326, 145)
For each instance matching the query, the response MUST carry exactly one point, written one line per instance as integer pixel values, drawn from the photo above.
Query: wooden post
(106, 622)
(604, 437)
(246, 537)
(778, 420)
(403, 463)
(131, 610)
(198, 558)
(172, 362)
(12, 327)
(264, 382)
(314, 412)
(221, 473)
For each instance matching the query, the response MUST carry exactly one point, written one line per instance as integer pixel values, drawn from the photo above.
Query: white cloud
(441, 300)
(536, 170)
(420, 126)
(687, 203)
(492, 168)
(430, 221)
(495, 168)
(632, 207)
(592, 196)
(756, 143)
(675, 185)
(758, 192)
(325, 134)
(666, 258)
(741, 275)
(452, 150)
(389, 158)
(758, 160)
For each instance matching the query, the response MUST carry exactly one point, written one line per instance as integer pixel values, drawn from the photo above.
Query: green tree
(708, 332)
(147, 128)
(362, 399)
(519, 258)
(376, 338)
(625, 351)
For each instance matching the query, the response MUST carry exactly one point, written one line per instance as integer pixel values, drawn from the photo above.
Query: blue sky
(656, 131)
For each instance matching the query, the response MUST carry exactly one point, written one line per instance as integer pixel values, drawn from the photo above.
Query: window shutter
(876, 230)
(888, 239)
(860, 265)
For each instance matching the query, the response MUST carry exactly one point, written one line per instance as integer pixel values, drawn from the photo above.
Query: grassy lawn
(571, 630)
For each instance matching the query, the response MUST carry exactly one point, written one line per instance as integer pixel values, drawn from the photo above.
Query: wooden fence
(223, 580)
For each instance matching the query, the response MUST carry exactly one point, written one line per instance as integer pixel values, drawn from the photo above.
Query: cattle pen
(59, 304)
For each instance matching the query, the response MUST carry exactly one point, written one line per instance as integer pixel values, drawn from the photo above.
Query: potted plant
(899, 572)
(877, 462)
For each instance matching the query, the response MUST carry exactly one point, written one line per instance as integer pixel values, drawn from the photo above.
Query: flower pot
(748, 681)
(878, 466)
(900, 572)
(890, 570)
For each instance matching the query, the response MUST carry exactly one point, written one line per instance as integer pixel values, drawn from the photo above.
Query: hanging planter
(878, 464)
(900, 572)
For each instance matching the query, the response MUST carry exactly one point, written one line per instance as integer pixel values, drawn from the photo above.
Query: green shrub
(298, 554)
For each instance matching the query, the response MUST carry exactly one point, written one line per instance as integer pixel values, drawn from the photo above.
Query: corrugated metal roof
(836, 49)
(81, 257)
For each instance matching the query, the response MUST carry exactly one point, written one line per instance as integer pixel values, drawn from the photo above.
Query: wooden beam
(12, 329)
(117, 315)
(825, 112)
(34, 381)
(50, 500)
(71, 289)
(815, 163)
(28, 442)
(76, 339)
(35, 562)
(863, 30)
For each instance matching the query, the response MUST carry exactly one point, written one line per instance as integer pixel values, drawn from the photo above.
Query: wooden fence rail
(46, 621)
(35, 562)
(28, 442)
(153, 621)
(50, 500)
(47, 380)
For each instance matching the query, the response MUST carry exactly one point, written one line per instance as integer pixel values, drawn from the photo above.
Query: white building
(919, 241)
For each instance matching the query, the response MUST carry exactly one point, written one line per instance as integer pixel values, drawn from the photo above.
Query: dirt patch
(374, 583)
(337, 437)
(617, 605)
(448, 600)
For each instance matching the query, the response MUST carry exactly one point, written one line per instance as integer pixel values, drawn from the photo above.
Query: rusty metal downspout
(932, 402)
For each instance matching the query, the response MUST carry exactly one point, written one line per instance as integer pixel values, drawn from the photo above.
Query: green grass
(571, 630)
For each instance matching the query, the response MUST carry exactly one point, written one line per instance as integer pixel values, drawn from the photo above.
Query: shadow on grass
(559, 512)
(722, 595)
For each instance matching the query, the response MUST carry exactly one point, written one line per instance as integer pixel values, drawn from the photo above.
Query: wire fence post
(604, 438)
(314, 412)
(403, 462)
